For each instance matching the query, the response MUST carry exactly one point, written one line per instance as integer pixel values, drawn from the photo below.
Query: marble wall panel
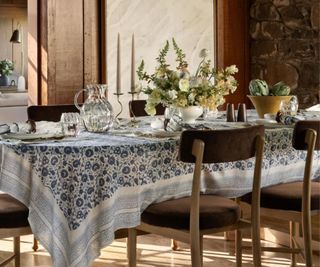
(153, 22)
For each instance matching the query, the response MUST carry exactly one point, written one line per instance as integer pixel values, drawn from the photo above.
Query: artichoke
(280, 88)
(258, 87)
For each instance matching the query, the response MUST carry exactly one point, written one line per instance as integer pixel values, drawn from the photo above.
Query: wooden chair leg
(16, 250)
(195, 252)
(201, 249)
(132, 247)
(35, 244)
(256, 246)
(306, 231)
(293, 233)
(238, 248)
(174, 244)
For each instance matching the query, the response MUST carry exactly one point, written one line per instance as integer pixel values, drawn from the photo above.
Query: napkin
(48, 127)
(314, 108)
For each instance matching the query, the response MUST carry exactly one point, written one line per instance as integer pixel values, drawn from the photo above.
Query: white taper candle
(133, 69)
(118, 66)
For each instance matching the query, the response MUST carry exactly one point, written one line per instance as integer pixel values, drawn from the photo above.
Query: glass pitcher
(96, 111)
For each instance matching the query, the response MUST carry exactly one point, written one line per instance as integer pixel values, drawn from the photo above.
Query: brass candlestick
(133, 122)
(117, 119)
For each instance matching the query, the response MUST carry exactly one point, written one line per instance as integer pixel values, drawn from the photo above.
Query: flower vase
(190, 114)
(4, 80)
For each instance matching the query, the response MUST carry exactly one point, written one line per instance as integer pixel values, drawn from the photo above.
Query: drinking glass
(293, 105)
(70, 123)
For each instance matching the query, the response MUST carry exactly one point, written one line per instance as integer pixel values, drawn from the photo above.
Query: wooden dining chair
(13, 223)
(50, 112)
(188, 219)
(296, 202)
(136, 107)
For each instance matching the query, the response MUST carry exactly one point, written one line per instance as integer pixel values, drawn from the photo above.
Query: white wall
(153, 22)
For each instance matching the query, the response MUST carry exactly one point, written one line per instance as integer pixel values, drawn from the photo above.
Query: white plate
(31, 136)
(158, 134)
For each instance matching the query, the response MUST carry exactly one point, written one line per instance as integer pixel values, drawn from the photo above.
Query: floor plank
(153, 251)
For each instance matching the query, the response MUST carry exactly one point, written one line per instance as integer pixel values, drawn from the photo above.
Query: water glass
(289, 107)
(70, 122)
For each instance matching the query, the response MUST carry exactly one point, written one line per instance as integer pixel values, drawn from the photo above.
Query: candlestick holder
(117, 119)
(133, 122)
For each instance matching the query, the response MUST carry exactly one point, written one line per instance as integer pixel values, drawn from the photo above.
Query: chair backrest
(49, 113)
(300, 132)
(221, 145)
(214, 146)
(137, 108)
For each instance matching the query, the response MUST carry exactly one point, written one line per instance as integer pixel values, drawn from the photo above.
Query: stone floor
(152, 251)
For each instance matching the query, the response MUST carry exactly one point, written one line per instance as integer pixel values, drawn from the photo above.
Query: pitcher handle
(76, 98)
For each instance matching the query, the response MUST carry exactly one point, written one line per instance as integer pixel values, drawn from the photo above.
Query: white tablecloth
(79, 192)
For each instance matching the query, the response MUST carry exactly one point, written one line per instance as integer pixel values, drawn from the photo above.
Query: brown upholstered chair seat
(214, 212)
(287, 196)
(13, 213)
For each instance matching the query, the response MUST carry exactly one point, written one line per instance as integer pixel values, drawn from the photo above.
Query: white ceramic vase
(190, 114)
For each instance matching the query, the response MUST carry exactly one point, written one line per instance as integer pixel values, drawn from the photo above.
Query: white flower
(172, 94)
(203, 53)
(191, 97)
(184, 85)
(150, 109)
(232, 69)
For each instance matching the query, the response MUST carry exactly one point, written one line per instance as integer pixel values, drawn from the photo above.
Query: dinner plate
(31, 136)
(157, 134)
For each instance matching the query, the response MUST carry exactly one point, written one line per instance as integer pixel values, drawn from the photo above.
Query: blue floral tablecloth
(79, 192)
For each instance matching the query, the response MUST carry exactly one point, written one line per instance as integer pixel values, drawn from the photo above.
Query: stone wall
(285, 45)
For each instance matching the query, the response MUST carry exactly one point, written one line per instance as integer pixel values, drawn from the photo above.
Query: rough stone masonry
(285, 45)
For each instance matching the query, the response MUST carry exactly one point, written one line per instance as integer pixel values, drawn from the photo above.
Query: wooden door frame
(233, 43)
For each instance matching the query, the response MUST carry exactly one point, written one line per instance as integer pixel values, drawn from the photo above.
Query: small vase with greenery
(6, 68)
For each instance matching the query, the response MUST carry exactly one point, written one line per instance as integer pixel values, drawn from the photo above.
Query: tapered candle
(133, 69)
(118, 66)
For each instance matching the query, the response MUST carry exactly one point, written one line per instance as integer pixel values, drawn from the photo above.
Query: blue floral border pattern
(81, 177)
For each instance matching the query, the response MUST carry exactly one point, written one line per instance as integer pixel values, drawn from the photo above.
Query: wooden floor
(152, 251)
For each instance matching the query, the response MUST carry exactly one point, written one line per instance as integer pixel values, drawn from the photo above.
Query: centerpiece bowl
(268, 104)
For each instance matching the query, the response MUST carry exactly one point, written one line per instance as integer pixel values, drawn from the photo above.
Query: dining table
(80, 190)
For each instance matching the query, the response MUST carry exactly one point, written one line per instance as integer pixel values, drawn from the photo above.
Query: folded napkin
(48, 127)
(314, 108)
(41, 127)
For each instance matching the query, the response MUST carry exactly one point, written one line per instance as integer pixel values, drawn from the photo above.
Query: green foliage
(6, 67)
(162, 55)
(180, 55)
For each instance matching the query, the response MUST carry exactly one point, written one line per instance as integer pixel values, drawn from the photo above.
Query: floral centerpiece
(178, 88)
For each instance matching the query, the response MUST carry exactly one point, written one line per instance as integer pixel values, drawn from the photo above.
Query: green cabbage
(280, 88)
(258, 87)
